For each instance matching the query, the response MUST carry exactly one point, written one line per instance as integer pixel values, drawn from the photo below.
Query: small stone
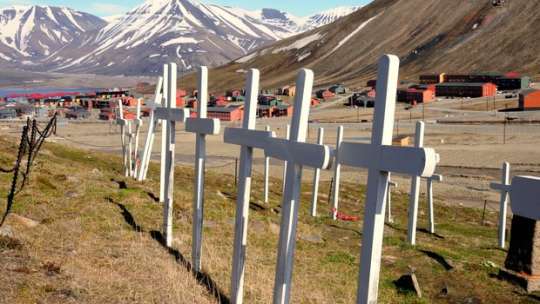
(72, 194)
(6, 231)
(24, 221)
(312, 238)
(96, 171)
(258, 227)
(490, 264)
(220, 194)
(273, 228)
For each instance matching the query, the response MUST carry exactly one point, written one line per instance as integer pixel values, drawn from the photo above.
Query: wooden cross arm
(525, 196)
(247, 137)
(171, 114)
(303, 154)
(500, 187)
(402, 160)
(207, 126)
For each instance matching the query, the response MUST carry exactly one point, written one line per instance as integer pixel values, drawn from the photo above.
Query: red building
(529, 100)
(465, 89)
(226, 113)
(414, 96)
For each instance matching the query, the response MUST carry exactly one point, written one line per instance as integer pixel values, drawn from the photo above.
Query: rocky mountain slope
(428, 36)
(138, 43)
(29, 34)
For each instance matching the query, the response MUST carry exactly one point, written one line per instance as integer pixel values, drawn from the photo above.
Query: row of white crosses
(379, 157)
(130, 139)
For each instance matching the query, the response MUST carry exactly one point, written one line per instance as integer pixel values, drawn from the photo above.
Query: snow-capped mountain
(189, 32)
(31, 33)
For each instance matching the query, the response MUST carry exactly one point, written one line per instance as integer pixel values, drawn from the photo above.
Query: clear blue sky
(114, 7)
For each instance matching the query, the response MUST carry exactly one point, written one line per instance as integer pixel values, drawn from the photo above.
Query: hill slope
(428, 36)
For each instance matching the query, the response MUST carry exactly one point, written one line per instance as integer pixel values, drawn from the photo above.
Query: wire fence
(32, 139)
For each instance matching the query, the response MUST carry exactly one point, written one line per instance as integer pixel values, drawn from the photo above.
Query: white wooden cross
(201, 126)
(298, 154)
(169, 116)
(389, 218)
(431, 208)
(316, 177)
(166, 103)
(138, 125)
(266, 173)
(337, 176)
(125, 133)
(503, 187)
(247, 138)
(381, 158)
(153, 122)
(415, 187)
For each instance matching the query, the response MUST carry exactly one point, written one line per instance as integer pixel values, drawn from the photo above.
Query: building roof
(222, 109)
(461, 84)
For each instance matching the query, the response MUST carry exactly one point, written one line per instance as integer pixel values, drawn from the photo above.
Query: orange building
(529, 100)
(226, 113)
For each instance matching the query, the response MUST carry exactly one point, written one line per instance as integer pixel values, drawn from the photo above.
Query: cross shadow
(121, 184)
(438, 258)
(128, 217)
(424, 230)
(203, 278)
(153, 196)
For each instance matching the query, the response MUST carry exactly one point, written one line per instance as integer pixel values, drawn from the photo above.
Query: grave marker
(153, 122)
(201, 126)
(169, 116)
(415, 187)
(316, 177)
(337, 176)
(287, 136)
(523, 260)
(503, 187)
(123, 123)
(138, 124)
(248, 138)
(164, 133)
(298, 154)
(380, 158)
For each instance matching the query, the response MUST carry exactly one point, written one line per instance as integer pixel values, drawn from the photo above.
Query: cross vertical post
(201, 126)
(247, 138)
(431, 208)
(138, 125)
(285, 163)
(316, 177)
(337, 176)
(504, 188)
(415, 188)
(389, 218)
(383, 121)
(266, 173)
(291, 196)
(123, 125)
(169, 157)
(164, 126)
(147, 152)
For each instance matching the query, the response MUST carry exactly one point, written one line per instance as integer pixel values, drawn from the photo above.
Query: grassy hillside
(97, 242)
(429, 36)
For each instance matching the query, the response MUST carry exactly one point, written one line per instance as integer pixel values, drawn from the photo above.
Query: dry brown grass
(99, 243)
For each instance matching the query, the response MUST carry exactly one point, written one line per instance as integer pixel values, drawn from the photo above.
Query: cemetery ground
(82, 233)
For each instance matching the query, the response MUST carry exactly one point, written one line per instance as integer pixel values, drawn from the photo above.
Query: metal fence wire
(32, 139)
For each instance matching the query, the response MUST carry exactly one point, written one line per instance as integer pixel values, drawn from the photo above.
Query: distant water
(18, 91)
